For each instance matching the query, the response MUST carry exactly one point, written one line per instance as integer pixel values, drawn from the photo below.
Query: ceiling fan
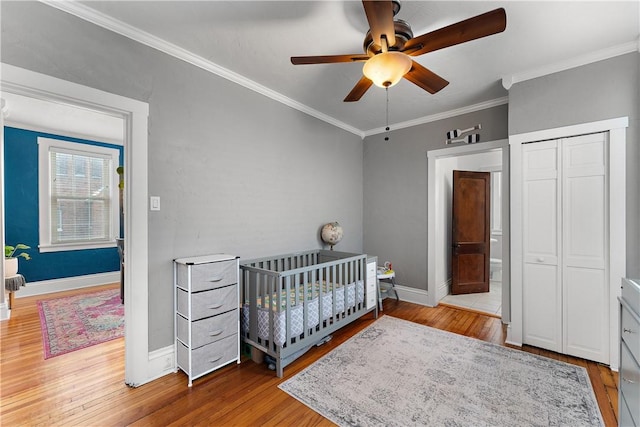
(389, 46)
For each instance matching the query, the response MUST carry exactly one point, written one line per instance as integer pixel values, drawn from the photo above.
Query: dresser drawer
(630, 332)
(631, 293)
(207, 330)
(625, 414)
(208, 357)
(208, 303)
(208, 276)
(630, 382)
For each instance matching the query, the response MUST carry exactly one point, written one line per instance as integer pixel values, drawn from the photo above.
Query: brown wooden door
(471, 233)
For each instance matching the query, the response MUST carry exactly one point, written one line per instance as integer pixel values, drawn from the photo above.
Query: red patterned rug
(80, 321)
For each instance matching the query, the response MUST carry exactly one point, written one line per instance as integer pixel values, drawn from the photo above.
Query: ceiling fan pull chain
(386, 138)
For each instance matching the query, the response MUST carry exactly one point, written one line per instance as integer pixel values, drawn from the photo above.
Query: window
(78, 195)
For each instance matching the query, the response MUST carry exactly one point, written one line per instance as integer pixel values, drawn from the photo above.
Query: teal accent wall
(21, 213)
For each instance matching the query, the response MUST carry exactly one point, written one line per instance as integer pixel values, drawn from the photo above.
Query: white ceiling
(251, 42)
(58, 118)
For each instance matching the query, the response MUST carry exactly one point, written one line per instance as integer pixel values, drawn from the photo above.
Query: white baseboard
(510, 340)
(444, 289)
(5, 312)
(161, 362)
(66, 284)
(416, 296)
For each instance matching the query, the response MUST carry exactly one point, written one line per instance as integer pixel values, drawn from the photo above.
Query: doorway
(134, 114)
(490, 299)
(491, 157)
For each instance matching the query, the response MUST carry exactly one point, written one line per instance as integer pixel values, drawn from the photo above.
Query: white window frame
(44, 193)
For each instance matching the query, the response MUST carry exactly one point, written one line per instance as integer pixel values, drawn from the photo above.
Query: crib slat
(287, 295)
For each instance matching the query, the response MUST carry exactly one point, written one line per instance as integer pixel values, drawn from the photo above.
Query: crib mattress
(297, 304)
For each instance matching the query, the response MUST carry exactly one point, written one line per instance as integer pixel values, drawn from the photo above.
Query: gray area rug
(399, 373)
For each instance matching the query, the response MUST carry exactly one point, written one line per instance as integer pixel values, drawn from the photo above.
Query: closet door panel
(541, 221)
(584, 226)
(585, 201)
(586, 320)
(540, 198)
(542, 292)
(540, 160)
(585, 155)
(542, 307)
(585, 242)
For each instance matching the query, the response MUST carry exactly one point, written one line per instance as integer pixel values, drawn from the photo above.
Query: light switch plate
(154, 203)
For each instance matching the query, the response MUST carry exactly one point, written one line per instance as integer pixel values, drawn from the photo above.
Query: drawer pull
(215, 333)
(629, 331)
(540, 259)
(214, 306)
(628, 380)
(215, 360)
(216, 279)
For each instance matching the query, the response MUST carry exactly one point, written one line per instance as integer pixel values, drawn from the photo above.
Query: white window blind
(78, 195)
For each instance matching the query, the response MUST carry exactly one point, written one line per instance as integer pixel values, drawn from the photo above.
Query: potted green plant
(11, 256)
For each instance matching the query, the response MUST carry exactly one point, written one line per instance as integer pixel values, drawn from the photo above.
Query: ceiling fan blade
(358, 90)
(470, 29)
(380, 17)
(426, 79)
(328, 59)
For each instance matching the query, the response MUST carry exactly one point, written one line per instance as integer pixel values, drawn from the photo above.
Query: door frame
(434, 184)
(135, 115)
(617, 205)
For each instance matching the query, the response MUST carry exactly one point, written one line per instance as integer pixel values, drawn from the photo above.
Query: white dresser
(371, 283)
(629, 387)
(207, 320)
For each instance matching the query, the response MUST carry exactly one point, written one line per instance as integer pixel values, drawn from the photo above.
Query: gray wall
(395, 189)
(236, 172)
(598, 91)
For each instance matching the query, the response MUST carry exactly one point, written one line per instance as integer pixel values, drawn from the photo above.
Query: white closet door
(542, 292)
(585, 243)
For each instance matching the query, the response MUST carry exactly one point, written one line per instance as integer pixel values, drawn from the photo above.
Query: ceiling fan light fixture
(387, 68)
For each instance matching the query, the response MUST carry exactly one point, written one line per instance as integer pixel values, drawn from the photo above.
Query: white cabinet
(207, 321)
(565, 290)
(629, 378)
(372, 282)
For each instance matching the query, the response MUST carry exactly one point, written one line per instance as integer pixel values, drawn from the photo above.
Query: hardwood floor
(86, 387)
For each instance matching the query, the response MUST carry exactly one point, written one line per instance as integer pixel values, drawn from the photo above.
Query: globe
(332, 233)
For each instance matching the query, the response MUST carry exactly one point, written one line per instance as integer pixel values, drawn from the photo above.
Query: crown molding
(91, 15)
(441, 116)
(578, 61)
(5, 108)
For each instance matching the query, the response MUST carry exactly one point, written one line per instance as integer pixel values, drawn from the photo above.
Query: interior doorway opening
(134, 116)
(490, 157)
(476, 230)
